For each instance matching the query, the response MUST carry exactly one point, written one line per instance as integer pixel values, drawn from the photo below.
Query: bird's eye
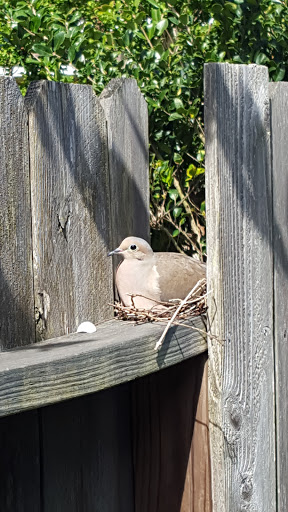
(133, 247)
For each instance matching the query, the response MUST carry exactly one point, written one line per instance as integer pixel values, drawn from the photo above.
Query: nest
(174, 312)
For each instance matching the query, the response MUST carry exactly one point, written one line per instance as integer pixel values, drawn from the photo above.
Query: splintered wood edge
(77, 364)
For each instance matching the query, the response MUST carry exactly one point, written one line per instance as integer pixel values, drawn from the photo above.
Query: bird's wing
(178, 274)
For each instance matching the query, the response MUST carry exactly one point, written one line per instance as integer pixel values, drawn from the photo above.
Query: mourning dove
(159, 276)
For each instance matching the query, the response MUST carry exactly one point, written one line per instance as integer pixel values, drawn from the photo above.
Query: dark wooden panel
(240, 282)
(87, 454)
(17, 325)
(20, 463)
(279, 125)
(171, 456)
(70, 207)
(78, 364)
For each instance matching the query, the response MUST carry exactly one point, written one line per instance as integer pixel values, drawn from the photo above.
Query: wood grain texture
(279, 106)
(79, 364)
(127, 120)
(197, 489)
(20, 463)
(70, 207)
(87, 454)
(171, 455)
(16, 277)
(240, 281)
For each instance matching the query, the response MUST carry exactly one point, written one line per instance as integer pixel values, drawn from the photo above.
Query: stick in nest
(184, 301)
(192, 305)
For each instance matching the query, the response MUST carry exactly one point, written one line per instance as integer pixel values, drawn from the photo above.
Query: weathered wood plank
(197, 490)
(87, 454)
(70, 207)
(279, 125)
(240, 279)
(20, 463)
(16, 279)
(127, 119)
(171, 454)
(78, 364)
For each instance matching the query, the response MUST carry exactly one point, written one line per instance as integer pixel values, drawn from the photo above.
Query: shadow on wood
(20, 463)
(78, 455)
(171, 447)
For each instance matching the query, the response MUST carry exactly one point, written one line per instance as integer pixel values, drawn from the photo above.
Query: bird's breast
(138, 277)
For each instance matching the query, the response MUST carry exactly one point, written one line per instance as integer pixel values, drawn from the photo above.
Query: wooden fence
(73, 184)
(247, 238)
(57, 216)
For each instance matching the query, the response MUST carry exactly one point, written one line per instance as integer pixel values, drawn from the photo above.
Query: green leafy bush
(163, 45)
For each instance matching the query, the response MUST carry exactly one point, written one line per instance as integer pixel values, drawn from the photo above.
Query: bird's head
(134, 248)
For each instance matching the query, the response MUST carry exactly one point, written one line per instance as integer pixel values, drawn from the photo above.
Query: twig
(147, 38)
(161, 339)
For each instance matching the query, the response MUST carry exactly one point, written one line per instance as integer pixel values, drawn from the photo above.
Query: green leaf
(260, 58)
(155, 15)
(35, 23)
(161, 26)
(178, 103)
(279, 75)
(173, 20)
(177, 158)
(17, 15)
(173, 194)
(176, 212)
(140, 17)
(174, 116)
(150, 31)
(58, 39)
(191, 172)
(230, 6)
(71, 53)
(42, 49)
(175, 232)
(155, 4)
(76, 16)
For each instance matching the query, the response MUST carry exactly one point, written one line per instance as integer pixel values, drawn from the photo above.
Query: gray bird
(159, 276)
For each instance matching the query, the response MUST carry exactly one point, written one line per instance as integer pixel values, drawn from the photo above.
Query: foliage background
(163, 45)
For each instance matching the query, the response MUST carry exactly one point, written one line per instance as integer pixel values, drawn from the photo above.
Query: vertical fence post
(279, 130)
(127, 119)
(70, 207)
(240, 282)
(16, 278)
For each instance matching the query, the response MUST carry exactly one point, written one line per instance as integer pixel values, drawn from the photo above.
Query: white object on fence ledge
(86, 327)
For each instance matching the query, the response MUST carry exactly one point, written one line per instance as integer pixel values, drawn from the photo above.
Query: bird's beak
(116, 251)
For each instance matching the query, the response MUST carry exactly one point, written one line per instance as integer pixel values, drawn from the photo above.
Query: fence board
(70, 207)
(20, 463)
(279, 106)
(16, 278)
(78, 364)
(87, 458)
(240, 279)
(127, 119)
(171, 453)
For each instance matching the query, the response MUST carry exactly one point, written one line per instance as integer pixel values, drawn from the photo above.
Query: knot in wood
(247, 488)
(236, 418)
